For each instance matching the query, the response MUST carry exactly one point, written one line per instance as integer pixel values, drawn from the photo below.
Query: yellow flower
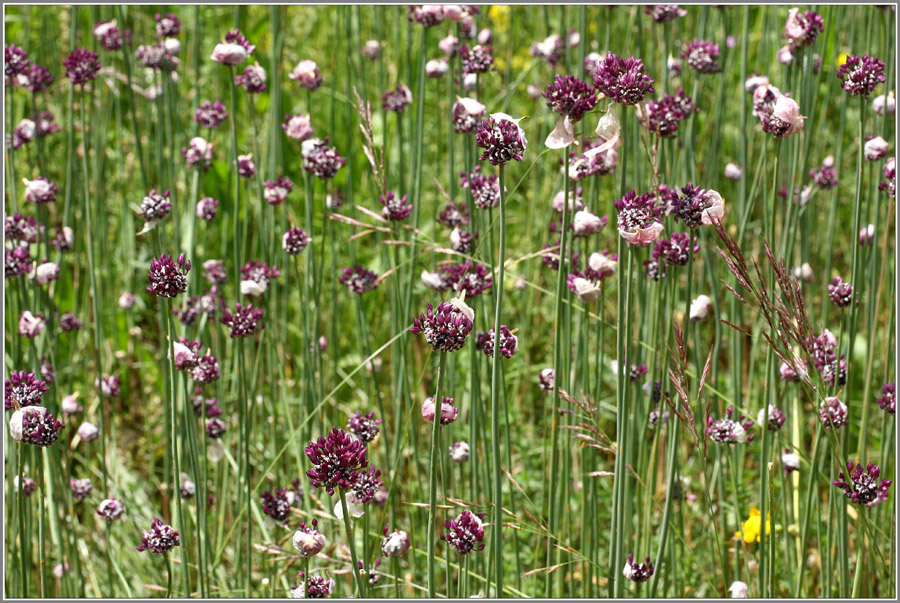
(751, 527)
(499, 15)
(841, 59)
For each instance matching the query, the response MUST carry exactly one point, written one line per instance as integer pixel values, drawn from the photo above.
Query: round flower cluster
(582, 166)
(168, 277)
(840, 292)
(336, 460)
(663, 116)
(465, 533)
(702, 56)
(860, 75)
(211, 115)
(82, 66)
(833, 413)
(245, 321)
(569, 96)
(395, 208)
(638, 218)
(397, 100)
(23, 389)
(160, 538)
(447, 326)
(622, 80)
(728, 430)
(359, 280)
(886, 400)
(454, 215)
(320, 159)
(501, 138)
(365, 427)
(485, 190)
(509, 343)
(294, 241)
(34, 425)
(468, 114)
(476, 59)
(697, 206)
(276, 191)
(449, 413)
(802, 29)
(778, 113)
(277, 506)
(155, 207)
(207, 209)
(862, 487)
(637, 572)
(664, 13)
(110, 509)
(775, 419)
(253, 80)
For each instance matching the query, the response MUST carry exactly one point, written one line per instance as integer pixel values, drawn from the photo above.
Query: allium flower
(167, 25)
(31, 325)
(156, 56)
(15, 63)
(215, 428)
(320, 159)
(700, 307)
(110, 385)
(862, 487)
(447, 326)
(82, 66)
(108, 35)
(459, 452)
(570, 96)
(779, 114)
(44, 272)
(198, 154)
(664, 13)
(168, 277)
(638, 218)
(294, 241)
(890, 182)
(214, 272)
(427, 15)
(306, 73)
(39, 191)
(789, 461)
(860, 75)
(465, 533)
(23, 389)
(663, 116)
(70, 406)
(185, 354)
(359, 280)
(34, 425)
(277, 506)
(473, 279)
(365, 486)
(314, 587)
(233, 51)
(801, 29)
(696, 206)
(656, 417)
(824, 177)
(546, 379)
(584, 286)
(110, 509)
(253, 80)
(833, 413)
(44, 121)
(88, 432)
(308, 541)
(211, 115)
(583, 165)
(509, 343)
(674, 251)
(246, 167)
(786, 372)
(28, 485)
(64, 239)
(20, 228)
(476, 59)
(637, 572)
(463, 241)
(336, 460)
(17, 261)
(155, 206)
(502, 139)
(623, 80)
(68, 322)
(160, 538)
(728, 430)
(775, 419)
(449, 413)
(885, 104)
(840, 292)
(207, 208)
(395, 543)
(785, 55)
(454, 215)
(702, 55)
(876, 148)
(365, 427)
(395, 208)
(468, 114)
(81, 488)
(739, 590)
(552, 49)
(275, 192)
(371, 49)
(397, 100)
(38, 79)
(886, 400)
(485, 190)
(245, 321)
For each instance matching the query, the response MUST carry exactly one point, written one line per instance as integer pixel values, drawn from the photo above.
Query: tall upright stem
(360, 583)
(496, 385)
(432, 475)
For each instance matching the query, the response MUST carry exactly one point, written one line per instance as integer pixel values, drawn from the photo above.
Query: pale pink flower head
(867, 235)
(233, 51)
(785, 55)
(700, 308)
(876, 148)
(733, 171)
(31, 325)
(586, 223)
(787, 111)
(297, 127)
(449, 413)
(306, 73)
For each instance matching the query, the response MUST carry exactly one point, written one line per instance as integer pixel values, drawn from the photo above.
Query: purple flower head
(64, 239)
(211, 115)
(366, 484)
(697, 207)
(546, 379)
(465, 533)
(156, 56)
(823, 351)
(38, 79)
(82, 66)
(485, 190)
(775, 418)
(336, 460)
(468, 114)
(110, 509)
(824, 177)
(833, 413)
(570, 96)
(81, 488)
(426, 15)
(259, 272)
(395, 543)
(395, 208)
(359, 280)
(40, 191)
(253, 80)
(215, 428)
(623, 80)
(728, 430)
(801, 29)
(208, 208)
(454, 215)
(214, 272)
(17, 260)
(23, 389)
(313, 587)
(886, 401)
(638, 218)
(890, 182)
(15, 63)
(31, 324)
(320, 159)
(664, 13)
(185, 354)
(449, 413)
(306, 73)
(840, 292)
(365, 427)
(47, 371)
(397, 100)
(637, 371)
(160, 538)
(198, 154)
(663, 116)
(637, 572)
(34, 425)
(502, 139)
(294, 241)
(110, 386)
(275, 192)
(168, 277)
(674, 251)
(167, 25)
(447, 326)
(463, 241)
(68, 322)
(476, 59)
(467, 277)
(245, 166)
(245, 321)
(860, 75)
(155, 206)
(202, 405)
(234, 50)
(509, 343)
(702, 56)
(277, 505)
(862, 487)
(108, 35)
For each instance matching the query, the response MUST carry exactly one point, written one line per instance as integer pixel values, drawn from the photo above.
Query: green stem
(357, 577)
(432, 477)
(496, 386)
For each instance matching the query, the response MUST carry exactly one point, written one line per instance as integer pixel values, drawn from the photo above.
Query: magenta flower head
(64, 239)
(862, 487)
(17, 261)
(160, 538)
(23, 389)
(155, 206)
(465, 533)
(336, 460)
(211, 115)
(245, 321)
(570, 97)
(801, 29)
(320, 159)
(623, 80)
(396, 100)
(81, 488)
(215, 428)
(886, 400)
(663, 116)
(502, 139)
(638, 218)
(259, 272)
(889, 184)
(476, 59)
(546, 379)
(108, 35)
(833, 413)
(307, 540)
(306, 73)
(637, 572)
(824, 177)
(82, 66)
(245, 166)
(185, 354)
(167, 25)
(664, 13)
(253, 80)
(294, 241)
(207, 369)
(485, 190)
(840, 292)
(426, 15)
(468, 114)
(586, 223)
(312, 587)
(674, 251)
(68, 322)
(198, 154)
(39, 191)
(365, 427)
(449, 413)
(31, 325)
(359, 280)
(447, 326)
(208, 208)
(697, 207)
(110, 509)
(703, 56)
(277, 506)
(39, 79)
(110, 385)
(15, 63)
(297, 127)
(728, 430)
(473, 279)
(275, 192)
(214, 272)
(395, 543)
(34, 425)
(775, 419)
(462, 240)
(366, 485)
(233, 51)
(168, 277)
(860, 75)
(454, 215)
(509, 343)
(395, 208)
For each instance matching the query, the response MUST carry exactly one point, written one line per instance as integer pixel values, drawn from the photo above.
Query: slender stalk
(496, 386)
(357, 576)
(432, 475)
